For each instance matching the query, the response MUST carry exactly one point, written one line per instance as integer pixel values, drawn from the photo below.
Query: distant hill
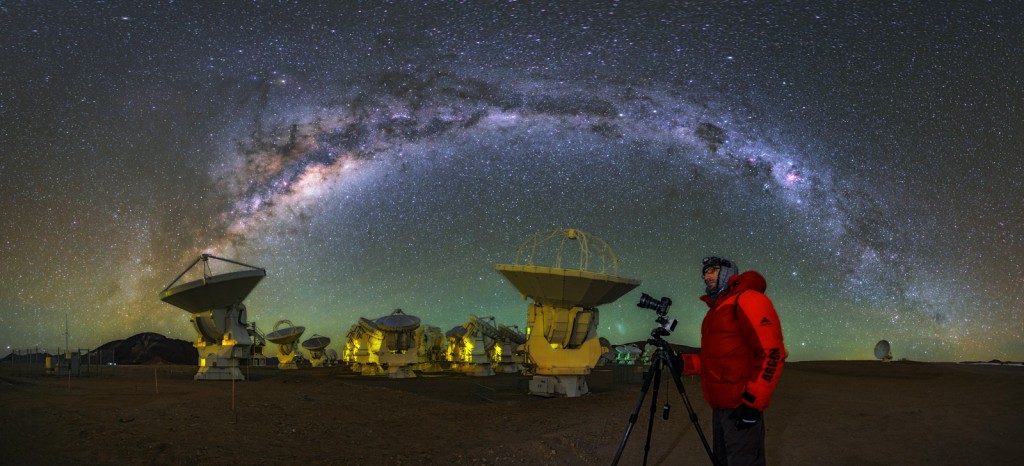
(149, 348)
(679, 349)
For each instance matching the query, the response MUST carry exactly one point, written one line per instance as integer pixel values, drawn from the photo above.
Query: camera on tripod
(663, 356)
(659, 306)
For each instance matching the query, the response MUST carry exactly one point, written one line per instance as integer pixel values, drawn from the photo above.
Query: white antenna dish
(285, 335)
(218, 315)
(883, 351)
(315, 345)
(317, 342)
(285, 338)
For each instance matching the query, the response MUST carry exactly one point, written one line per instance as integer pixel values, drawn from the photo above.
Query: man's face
(711, 275)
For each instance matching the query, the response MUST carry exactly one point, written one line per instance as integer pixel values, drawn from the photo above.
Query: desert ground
(823, 413)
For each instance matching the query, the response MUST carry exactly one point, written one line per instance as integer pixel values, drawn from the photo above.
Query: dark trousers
(737, 447)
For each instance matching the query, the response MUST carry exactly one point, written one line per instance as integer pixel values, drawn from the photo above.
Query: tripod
(659, 360)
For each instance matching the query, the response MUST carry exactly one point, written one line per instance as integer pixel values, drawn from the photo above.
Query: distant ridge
(679, 349)
(149, 348)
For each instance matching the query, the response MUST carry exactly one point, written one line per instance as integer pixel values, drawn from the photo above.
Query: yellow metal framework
(586, 243)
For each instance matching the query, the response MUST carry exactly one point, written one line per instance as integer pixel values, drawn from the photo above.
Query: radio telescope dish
(315, 345)
(399, 349)
(566, 288)
(285, 335)
(218, 315)
(485, 326)
(316, 342)
(285, 338)
(562, 319)
(213, 292)
(883, 351)
(512, 334)
(398, 321)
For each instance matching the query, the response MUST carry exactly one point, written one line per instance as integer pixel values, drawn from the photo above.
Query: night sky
(867, 158)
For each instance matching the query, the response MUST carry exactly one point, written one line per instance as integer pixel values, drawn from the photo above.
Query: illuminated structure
(459, 351)
(510, 354)
(316, 345)
(218, 315)
(398, 350)
(490, 337)
(562, 320)
(627, 355)
(430, 344)
(476, 344)
(287, 354)
(362, 347)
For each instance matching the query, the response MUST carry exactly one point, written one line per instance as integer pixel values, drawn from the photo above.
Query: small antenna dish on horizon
(883, 351)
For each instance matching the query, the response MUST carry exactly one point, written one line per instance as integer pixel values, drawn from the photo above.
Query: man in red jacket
(740, 359)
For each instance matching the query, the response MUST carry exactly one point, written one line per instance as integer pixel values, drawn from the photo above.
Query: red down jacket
(742, 353)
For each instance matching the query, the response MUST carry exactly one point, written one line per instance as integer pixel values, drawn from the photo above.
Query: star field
(376, 155)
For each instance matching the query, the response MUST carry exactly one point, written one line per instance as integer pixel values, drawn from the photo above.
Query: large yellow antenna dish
(563, 317)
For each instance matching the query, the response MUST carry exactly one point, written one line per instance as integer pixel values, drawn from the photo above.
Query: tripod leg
(656, 368)
(693, 415)
(648, 377)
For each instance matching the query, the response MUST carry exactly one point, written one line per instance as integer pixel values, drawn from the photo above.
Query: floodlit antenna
(476, 345)
(883, 351)
(285, 338)
(362, 347)
(429, 348)
(563, 317)
(218, 315)
(511, 354)
(318, 357)
(398, 350)
(627, 355)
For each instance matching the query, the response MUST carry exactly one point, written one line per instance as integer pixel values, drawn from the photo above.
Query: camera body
(659, 306)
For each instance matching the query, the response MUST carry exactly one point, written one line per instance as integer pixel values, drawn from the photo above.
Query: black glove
(746, 416)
